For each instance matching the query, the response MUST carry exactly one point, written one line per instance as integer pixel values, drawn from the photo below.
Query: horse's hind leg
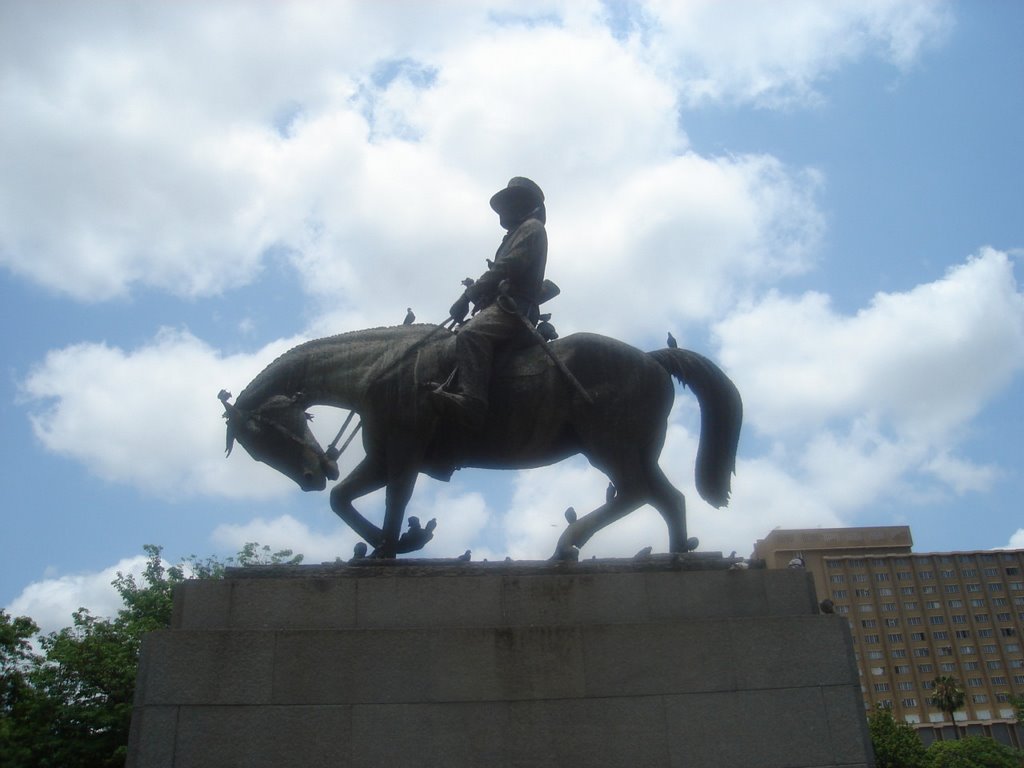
(671, 505)
(580, 532)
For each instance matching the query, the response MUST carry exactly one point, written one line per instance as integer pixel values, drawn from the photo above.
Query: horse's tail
(721, 414)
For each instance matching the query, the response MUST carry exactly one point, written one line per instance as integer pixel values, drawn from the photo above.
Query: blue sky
(823, 197)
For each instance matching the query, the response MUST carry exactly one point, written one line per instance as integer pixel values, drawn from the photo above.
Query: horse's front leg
(367, 477)
(402, 471)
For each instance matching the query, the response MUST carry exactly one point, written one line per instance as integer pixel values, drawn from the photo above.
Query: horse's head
(277, 433)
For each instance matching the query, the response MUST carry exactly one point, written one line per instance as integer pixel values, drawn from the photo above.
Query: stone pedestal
(665, 662)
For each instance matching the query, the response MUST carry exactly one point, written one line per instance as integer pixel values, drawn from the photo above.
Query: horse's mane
(275, 378)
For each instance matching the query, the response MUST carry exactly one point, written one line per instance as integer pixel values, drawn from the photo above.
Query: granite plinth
(608, 663)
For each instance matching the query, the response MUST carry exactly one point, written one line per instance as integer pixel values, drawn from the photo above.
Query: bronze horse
(536, 417)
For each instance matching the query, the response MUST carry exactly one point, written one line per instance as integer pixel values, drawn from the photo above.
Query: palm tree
(948, 697)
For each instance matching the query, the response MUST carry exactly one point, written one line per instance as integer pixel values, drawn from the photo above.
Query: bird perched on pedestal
(570, 515)
(410, 316)
(671, 341)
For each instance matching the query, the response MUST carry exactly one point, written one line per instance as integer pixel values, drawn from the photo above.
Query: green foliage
(972, 752)
(948, 697)
(71, 706)
(1018, 707)
(896, 744)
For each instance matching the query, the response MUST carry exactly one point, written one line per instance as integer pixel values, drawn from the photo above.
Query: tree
(896, 744)
(71, 707)
(1018, 707)
(972, 752)
(948, 697)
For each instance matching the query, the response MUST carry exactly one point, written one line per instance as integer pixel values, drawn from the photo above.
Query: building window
(926, 669)
(878, 671)
(1002, 617)
(936, 619)
(958, 618)
(881, 687)
(859, 577)
(928, 590)
(840, 594)
(878, 562)
(892, 622)
(1012, 647)
(945, 650)
(868, 623)
(985, 633)
(952, 588)
(894, 637)
(955, 603)
(1018, 679)
(1007, 631)
(977, 603)
(991, 571)
(989, 648)
(881, 577)
(1000, 602)
(899, 653)
(884, 591)
(904, 576)
(837, 578)
(875, 655)
(855, 563)
(889, 607)
(967, 650)
(914, 621)
(975, 682)
(865, 607)
(1012, 570)
(981, 617)
(901, 669)
(963, 634)
(948, 574)
(947, 666)
(909, 702)
(925, 575)
(971, 666)
(862, 592)
(906, 590)
(833, 563)
(998, 680)
(870, 639)
(919, 636)
(979, 698)
(995, 586)
(968, 573)
(974, 587)
(994, 664)
(922, 652)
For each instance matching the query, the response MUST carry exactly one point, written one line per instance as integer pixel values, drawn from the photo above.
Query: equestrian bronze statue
(613, 407)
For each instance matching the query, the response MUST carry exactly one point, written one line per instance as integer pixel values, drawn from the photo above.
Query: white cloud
(172, 146)
(1016, 540)
(52, 601)
(924, 361)
(776, 53)
(149, 417)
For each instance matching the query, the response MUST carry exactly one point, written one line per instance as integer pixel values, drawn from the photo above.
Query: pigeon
(672, 343)
(410, 316)
(643, 554)
(570, 515)
(465, 556)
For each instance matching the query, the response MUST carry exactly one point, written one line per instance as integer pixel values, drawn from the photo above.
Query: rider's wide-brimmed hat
(520, 193)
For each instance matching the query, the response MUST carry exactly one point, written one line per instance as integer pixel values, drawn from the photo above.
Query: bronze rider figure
(511, 286)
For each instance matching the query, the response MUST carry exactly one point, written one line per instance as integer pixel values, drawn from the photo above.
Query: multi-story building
(917, 616)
